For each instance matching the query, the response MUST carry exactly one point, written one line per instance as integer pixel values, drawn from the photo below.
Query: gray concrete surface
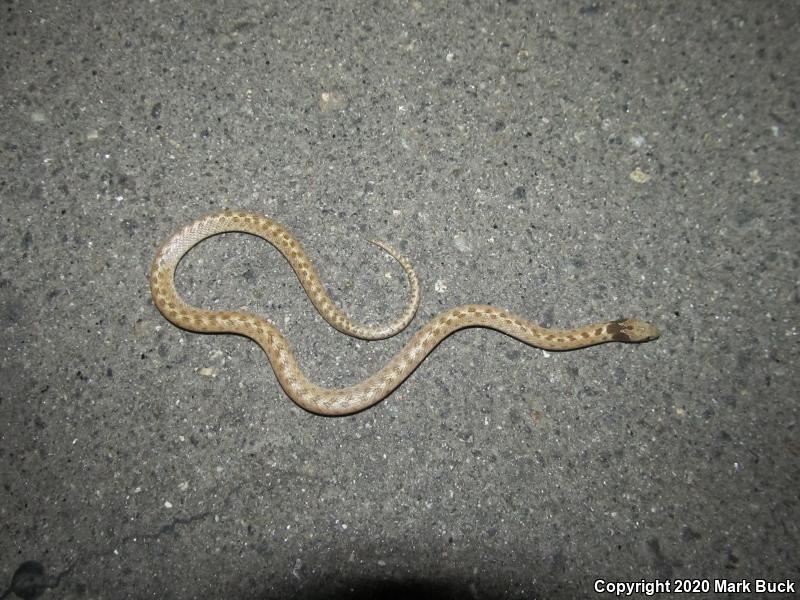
(570, 161)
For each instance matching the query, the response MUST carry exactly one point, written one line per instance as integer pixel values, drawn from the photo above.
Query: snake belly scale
(348, 400)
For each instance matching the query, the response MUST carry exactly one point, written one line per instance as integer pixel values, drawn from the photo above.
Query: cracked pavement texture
(570, 161)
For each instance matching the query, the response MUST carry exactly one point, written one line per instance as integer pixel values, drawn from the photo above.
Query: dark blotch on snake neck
(617, 332)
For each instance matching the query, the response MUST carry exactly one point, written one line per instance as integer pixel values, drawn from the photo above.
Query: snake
(376, 387)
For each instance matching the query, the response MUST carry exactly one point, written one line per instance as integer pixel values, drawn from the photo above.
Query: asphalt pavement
(572, 162)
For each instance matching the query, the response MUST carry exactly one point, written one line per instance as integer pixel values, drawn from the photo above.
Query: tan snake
(375, 388)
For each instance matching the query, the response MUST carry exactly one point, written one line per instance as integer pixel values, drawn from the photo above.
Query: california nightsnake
(382, 383)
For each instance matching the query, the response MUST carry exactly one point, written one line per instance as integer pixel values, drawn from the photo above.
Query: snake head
(632, 330)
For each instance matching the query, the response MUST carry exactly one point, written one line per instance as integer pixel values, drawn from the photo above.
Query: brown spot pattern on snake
(384, 381)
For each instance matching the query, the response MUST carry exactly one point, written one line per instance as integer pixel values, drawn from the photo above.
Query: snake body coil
(375, 388)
